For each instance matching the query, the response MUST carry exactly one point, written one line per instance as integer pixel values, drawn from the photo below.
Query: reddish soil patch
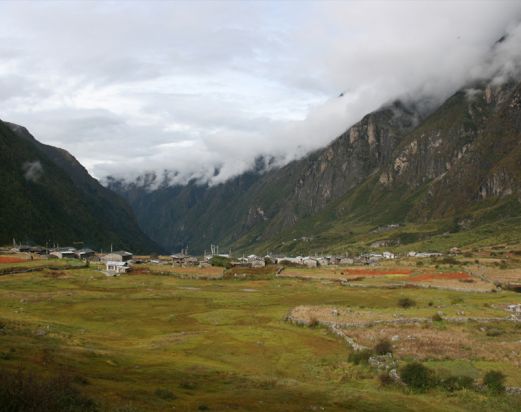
(442, 276)
(6, 259)
(377, 272)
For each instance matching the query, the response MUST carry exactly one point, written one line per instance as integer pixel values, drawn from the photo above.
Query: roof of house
(122, 253)
(115, 263)
(65, 250)
(178, 256)
(86, 250)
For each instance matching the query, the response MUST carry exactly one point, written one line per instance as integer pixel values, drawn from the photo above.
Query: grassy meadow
(148, 342)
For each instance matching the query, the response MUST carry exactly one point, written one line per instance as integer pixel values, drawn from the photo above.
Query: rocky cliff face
(467, 151)
(263, 205)
(395, 165)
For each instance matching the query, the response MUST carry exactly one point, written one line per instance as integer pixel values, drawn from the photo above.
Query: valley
(169, 337)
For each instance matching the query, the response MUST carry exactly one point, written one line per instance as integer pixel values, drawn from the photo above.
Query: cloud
(33, 171)
(194, 87)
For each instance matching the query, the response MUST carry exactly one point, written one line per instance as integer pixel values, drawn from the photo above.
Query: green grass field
(157, 343)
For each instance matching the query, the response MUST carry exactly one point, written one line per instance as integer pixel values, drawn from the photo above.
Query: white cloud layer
(191, 87)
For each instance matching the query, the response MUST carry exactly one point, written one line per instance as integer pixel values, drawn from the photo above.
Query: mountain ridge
(422, 166)
(48, 196)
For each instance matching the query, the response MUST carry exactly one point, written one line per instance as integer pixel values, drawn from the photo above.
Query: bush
(494, 381)
(360, 357)
(383, 347)
(457, 383)
(494, 332)
(449, 260)
(419, 263)
(417, 376)
(406, 303)
(437, 317)
(221, 261)
(165, 394)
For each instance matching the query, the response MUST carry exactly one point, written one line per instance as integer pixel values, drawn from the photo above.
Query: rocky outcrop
(393, 166)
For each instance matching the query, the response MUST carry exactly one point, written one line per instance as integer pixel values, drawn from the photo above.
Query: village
(121, 261)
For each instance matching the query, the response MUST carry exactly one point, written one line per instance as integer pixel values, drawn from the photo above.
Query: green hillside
(46, 196)
(453, 171)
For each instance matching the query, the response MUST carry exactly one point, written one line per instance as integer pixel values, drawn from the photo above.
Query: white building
(113, 268)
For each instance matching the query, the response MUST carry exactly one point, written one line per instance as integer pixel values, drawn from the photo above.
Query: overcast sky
(129, 87)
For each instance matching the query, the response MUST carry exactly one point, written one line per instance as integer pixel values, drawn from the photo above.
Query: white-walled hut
(113, 268)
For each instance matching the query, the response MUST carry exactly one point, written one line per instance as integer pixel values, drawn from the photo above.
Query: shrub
(494, 332)
(456, 300)
(449, 260)
(417, 376)
(406, 303)
(457, 383)
(360, 357)
(221, 261)
(383, 347)
(165, 394)
(437, 317)
(494, 381)
(419, 263)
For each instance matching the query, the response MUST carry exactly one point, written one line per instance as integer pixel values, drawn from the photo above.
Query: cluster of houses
(120, 261)
(58, 252)
(115, 262)
(254, 261)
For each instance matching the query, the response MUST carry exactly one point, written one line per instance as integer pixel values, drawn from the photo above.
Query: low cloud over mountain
(202, 89)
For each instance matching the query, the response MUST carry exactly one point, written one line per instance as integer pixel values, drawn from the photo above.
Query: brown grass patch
(425, 342)
(189, 270)
(377, 272)
(441, 276)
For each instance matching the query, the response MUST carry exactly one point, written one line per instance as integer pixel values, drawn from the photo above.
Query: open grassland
(156, 343)
(210, 272)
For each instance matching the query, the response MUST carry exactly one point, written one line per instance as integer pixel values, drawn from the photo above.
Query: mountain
(48, 196)
(397, 177)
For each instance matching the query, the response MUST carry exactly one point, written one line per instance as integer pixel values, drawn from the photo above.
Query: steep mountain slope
(47, 196)
(453, 180)
(456, 170)
(260, 206)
